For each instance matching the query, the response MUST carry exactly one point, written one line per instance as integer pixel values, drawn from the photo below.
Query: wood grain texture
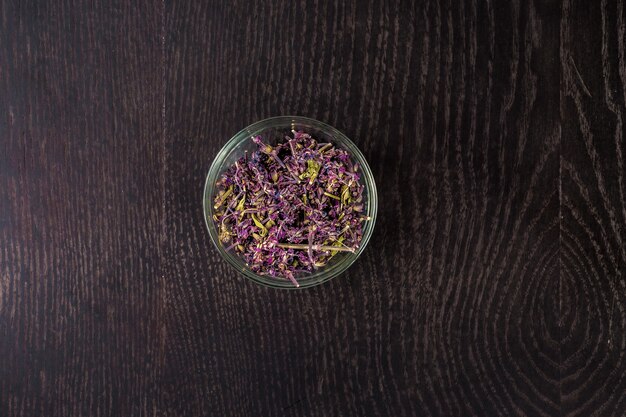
(80, 207)
(453, 310)
(593, 209)
(493, 284)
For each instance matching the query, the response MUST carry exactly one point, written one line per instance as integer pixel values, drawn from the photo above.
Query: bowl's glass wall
(274, 129)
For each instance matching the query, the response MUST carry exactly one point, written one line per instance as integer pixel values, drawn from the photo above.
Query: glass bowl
(272, 130)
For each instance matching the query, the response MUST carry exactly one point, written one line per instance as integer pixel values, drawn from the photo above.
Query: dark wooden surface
(494, 284)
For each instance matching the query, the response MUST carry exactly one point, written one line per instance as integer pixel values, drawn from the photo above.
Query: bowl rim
(325, 274)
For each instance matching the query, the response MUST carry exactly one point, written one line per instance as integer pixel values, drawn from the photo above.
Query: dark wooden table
(495, 281)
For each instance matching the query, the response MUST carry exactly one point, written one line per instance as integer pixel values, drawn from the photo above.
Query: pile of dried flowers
(288, 209)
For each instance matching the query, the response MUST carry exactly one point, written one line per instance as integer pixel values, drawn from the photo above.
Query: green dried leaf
(259, 224)
(240, 205)
(222, 197)
(346, 197)
(224, 235)
(312, 170)
(338, 242)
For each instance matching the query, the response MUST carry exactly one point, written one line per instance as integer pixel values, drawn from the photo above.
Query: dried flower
(288, 209)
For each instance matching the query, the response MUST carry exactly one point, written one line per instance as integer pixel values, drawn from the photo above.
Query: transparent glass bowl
(273, 130)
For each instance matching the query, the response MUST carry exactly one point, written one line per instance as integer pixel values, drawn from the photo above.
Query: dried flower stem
(327, 146)
(314, 247)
